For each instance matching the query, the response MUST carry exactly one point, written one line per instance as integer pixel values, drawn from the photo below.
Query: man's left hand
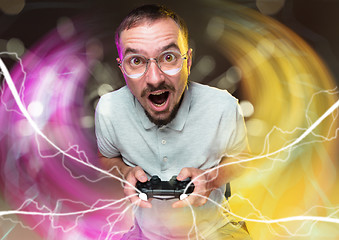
(203, 182)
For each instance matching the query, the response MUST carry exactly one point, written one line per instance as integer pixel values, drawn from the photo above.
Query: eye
(169, 57)
(135, 61)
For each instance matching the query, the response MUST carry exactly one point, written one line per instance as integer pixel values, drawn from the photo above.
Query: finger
(184, 173)
(181, 203)
(140, 203)
(194, 199)
(133, 196)
(137, 174)
(140, 175)
(144, 204)
(130, 189)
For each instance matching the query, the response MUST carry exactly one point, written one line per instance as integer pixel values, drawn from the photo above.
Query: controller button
(155, 180)
(183, 196)
(143, 196)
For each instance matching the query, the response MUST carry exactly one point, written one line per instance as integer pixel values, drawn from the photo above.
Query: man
(161, 124)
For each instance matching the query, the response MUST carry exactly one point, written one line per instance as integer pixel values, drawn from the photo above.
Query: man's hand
(203, 182)
(133, 175)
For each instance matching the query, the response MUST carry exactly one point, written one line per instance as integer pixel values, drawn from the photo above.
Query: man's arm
(224, 173)
(115, 165)
(205, 181)
(131, 174)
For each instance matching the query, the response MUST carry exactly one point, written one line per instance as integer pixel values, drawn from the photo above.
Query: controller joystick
(155, 180)
(164, 190)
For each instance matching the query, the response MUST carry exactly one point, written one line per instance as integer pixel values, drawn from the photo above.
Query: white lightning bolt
(24, 111)
(22, 87)
(92, 208)
(49, 212)
(264, 220)
(268, 155)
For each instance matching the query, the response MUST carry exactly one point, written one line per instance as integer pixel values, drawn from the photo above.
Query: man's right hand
(133, 175)
(130, 174)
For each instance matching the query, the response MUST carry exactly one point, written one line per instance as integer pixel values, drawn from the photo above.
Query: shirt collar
(177, 123)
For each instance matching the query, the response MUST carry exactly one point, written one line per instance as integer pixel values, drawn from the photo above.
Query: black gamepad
(164, 190)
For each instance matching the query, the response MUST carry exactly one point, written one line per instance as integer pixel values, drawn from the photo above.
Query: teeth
(155, 94)
(159, 93)
(159, 105)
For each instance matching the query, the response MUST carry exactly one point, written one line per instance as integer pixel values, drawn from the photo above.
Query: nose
(154, 76)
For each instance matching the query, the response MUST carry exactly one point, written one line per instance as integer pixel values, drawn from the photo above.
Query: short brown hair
(151, 13)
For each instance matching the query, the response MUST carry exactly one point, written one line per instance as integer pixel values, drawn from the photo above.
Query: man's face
(158, 93)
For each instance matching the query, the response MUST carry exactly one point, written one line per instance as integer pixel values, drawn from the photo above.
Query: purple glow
(35, 176)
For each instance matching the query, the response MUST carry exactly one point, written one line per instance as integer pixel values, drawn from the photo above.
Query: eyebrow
(169, 46)
(130, 50)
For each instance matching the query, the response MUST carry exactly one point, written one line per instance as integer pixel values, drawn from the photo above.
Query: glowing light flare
(46, 111)
(283, 78)
(15, 45)
(55, 215)
(12, 7)
(36, 128)
(256, 127)
(65, 28)
(104, 88)
(288, 233)
(247, 108)
(35, 108)
(290, 147)
(270, 7)
(23, 128)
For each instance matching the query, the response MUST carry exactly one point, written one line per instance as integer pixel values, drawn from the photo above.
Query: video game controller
(164, 190)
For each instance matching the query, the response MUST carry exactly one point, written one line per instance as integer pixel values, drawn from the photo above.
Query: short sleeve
(238, 138)
(104, 130)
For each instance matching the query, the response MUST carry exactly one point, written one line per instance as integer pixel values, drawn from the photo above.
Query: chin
(159, 121)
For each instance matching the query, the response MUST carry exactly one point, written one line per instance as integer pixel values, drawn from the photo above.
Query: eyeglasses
(136, 65)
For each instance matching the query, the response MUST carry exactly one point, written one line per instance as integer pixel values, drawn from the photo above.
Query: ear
(119, 63)
(189, 60)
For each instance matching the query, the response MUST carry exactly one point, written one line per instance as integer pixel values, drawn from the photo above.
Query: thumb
(183, 174)
(140, 175)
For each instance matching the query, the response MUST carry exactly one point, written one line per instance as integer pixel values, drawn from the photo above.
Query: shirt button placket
(163, 151)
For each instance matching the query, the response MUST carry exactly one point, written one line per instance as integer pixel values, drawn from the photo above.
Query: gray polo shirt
(208, 125)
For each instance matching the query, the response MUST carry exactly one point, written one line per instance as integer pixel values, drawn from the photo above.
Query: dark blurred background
(23, 23)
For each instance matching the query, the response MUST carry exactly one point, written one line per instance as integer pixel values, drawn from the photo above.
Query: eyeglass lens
(136, 65)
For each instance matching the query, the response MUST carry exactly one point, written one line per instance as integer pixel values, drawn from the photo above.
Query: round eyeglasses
(136, 65)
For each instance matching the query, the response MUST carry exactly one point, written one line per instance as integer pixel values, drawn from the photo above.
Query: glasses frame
(148, 60)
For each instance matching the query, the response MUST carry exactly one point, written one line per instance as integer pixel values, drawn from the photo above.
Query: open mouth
(159, 99)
